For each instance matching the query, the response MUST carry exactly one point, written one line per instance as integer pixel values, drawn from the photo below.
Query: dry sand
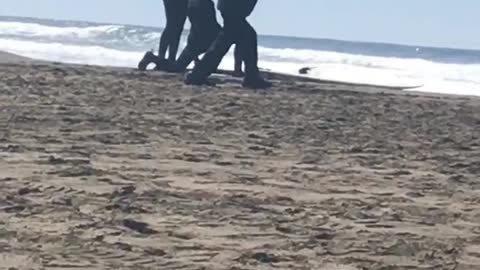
(104, 168)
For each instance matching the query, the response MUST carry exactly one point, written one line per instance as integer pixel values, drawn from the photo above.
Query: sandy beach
(110, 168)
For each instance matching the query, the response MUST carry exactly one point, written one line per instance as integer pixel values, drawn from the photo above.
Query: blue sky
(443, 23)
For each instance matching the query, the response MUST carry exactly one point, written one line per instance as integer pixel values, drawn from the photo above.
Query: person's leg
(198, 43)
(238, 58)
(188, 55)
(165, 37)
(203, 31)
(180, 18)
(212, 58)
(176, 14)
(248, 44)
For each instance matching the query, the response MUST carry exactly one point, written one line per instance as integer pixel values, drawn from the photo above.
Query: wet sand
(107, 168)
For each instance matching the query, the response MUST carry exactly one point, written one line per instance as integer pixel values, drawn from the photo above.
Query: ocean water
(440, 70)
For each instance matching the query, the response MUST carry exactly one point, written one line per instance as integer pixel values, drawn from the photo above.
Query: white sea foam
(38, 30)
(21, 38)
(91, 55)
(435, 77)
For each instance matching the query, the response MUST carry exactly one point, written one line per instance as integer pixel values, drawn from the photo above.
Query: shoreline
(10, 58)
(111, 168)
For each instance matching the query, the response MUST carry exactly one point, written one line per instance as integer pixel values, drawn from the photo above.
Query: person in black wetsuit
(176, 14)
(204, 30)
(236, 30)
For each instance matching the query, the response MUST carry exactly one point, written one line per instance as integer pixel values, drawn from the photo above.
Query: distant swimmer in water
(236, 30)
(176, 14)
(204, 29)
(304, 70)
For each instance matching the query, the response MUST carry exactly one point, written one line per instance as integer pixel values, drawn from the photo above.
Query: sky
(439, 23)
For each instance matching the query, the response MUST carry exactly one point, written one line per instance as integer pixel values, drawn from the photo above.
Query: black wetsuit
(236, 30)
(204, 30)
(176, 14)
